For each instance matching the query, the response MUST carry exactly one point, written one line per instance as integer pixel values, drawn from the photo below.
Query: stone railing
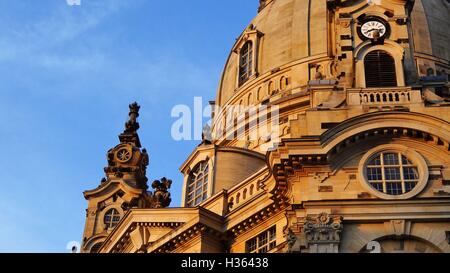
(383, 96)
(241, 194)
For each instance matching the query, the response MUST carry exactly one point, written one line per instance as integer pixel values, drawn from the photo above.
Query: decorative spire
(131, 126)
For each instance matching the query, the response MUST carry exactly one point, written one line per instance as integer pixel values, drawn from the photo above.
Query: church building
(330, 133)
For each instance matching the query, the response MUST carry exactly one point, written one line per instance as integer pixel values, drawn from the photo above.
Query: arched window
(95, 248)
(111, 218)
(245, 62)
(197, 187)
(379, 68)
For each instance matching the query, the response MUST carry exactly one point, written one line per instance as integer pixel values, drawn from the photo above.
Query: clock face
(373, 29)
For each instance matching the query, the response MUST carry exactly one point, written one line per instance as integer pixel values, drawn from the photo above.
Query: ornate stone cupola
(123, 188)
(127, 160)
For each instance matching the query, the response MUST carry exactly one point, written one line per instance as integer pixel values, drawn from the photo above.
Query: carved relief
(322, 232)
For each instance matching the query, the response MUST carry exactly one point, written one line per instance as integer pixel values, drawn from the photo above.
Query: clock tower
(124, 186)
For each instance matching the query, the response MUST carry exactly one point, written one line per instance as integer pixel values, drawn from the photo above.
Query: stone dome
(293, 49)
(291, 38)
(281, 33)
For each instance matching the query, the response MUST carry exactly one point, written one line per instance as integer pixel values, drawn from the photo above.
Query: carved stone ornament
(322, 233)
(291, 239)
(130, 135)
(160, 198)
(127, 159)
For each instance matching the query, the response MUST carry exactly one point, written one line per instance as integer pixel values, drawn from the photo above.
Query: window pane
(251, 245)
(272, 245)
(272, 234)
(377, 186)
(262, 239)
(409, 186)
(374, 174)
(376, 161)
(262, 243)
(390, 159)
(394, 188)
(410, 173)
(392, 173)
(263, 250)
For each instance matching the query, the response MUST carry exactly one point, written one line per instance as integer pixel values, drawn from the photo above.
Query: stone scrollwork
(322, 232)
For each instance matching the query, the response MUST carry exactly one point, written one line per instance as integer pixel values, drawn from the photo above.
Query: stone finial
(131, 126)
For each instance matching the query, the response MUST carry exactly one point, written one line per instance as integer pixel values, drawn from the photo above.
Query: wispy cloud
(38, 38)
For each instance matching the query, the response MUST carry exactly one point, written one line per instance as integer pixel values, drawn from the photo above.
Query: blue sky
(67, 75)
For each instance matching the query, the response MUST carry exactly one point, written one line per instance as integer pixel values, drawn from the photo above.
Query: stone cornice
(179, 219)
(104, 188)
(256, 218)
(167, 215)
(423, 209)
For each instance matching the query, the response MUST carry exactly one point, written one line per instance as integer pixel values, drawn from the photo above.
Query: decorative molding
(398, 227)
(322, 232)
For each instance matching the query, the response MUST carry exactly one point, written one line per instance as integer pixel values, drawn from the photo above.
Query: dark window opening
(95, 248)
(379, 68)
(245, 62)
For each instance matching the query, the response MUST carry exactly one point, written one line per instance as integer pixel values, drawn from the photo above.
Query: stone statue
(131, 126)
(161, 196)
(206, 135)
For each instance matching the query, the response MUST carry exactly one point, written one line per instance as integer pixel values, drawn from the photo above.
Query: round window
(393, 172)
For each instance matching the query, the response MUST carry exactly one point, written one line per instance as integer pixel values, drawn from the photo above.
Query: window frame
(191, 201)
(113, 223)
(246, 68)
(268, 238)
(383, 78)
(398, 167)
(414, 157)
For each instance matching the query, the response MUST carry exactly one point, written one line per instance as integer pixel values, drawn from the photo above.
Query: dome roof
(284, 38)
(292, 36)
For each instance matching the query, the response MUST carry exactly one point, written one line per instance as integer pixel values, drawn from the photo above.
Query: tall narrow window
(380, 69)
(197, 188)
(245, 62)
